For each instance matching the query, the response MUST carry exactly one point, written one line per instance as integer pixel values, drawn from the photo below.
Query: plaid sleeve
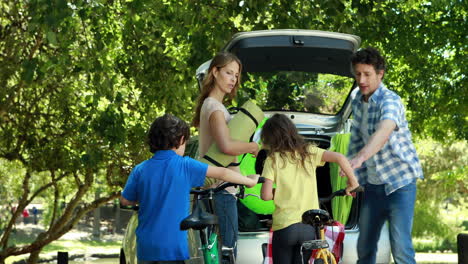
(392, 109)
(355, 142)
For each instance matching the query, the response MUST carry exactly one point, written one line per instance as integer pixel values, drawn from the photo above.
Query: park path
(89, 255)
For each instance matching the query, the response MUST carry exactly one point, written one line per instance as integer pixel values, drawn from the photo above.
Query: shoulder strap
(217, 164)
(234, 110)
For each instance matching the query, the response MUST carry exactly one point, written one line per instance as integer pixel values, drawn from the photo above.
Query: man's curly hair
(166, 131)
(370, 56)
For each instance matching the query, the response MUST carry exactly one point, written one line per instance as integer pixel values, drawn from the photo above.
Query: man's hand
(356, 162)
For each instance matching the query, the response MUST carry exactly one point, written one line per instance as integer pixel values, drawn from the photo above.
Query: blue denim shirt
(397, 163)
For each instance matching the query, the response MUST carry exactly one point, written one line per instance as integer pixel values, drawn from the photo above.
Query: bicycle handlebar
(219, 188)
(341, 192)
(197, 191)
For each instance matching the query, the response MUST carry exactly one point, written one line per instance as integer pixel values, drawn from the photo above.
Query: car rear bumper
(249, 247)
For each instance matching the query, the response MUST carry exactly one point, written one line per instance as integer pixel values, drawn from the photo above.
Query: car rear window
(296, 91)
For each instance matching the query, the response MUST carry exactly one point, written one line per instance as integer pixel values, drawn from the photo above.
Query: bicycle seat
(316, 217)
(198, 219)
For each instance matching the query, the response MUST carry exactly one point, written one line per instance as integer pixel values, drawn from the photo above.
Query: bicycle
(206, 222)
(319, 218)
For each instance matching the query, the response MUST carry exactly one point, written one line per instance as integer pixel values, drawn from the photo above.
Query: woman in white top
(211, 118)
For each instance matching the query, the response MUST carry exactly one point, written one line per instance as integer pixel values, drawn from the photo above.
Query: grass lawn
(75, 247)
(73, 242)
(455, 217)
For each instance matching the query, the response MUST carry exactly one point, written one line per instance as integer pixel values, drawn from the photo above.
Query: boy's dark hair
(166, 131)
(369, 56)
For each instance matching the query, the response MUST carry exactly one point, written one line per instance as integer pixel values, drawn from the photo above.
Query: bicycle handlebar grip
(341, 192)
(358, 189)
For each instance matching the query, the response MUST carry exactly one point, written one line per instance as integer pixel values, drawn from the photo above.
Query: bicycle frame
(321, 246)
(206, 223)
(210, 249)
(323, 253)
(209, 235)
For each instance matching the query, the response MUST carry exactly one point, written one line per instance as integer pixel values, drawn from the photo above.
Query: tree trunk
(118, 221)
(34, 256)
(97, 220)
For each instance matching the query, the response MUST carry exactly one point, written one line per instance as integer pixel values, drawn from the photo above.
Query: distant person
(290, 164)
(211, 118)
(385, 160)
(25, 215)
(161, 186)
(34, 211)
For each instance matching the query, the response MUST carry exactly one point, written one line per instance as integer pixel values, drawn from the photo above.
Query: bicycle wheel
(227, 260)
(228, 257)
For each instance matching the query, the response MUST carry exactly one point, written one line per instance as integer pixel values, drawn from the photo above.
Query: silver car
(307, 75)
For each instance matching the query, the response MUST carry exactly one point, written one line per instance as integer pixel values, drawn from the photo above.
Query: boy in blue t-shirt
(161, 186)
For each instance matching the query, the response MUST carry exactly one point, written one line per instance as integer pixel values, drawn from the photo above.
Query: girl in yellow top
(291, 165)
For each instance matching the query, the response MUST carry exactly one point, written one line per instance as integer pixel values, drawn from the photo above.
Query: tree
(445, 169)
(68, 117)
(82, 80)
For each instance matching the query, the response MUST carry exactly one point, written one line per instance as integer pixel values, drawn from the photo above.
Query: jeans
(226, 210)
(398, 209)
(286, 244)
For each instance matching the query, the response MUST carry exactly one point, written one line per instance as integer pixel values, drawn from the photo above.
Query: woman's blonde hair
(219, 61)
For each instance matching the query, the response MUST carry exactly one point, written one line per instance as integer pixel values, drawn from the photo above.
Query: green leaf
(52, 38)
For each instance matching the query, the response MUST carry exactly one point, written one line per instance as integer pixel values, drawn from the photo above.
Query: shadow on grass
(27, 235)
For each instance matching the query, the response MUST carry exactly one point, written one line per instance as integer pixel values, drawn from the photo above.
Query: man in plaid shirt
(384, 159)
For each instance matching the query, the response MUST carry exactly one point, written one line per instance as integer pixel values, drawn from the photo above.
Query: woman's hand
(254, 178)
(255, 149)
